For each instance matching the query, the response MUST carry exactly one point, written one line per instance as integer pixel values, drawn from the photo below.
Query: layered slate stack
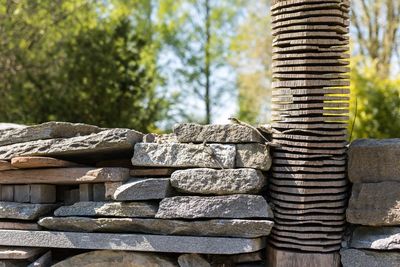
(76, 186)
(310, 112)
(374, 206)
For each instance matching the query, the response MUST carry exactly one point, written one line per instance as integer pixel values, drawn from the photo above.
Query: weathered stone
(368, 258)
(216, 133)
(64, 176)
(372, 160)
(219, 182)
(18, 253)
(116, 258)
(7, 193)
(160, 138)
(115, 209)
(184, 155)
(255, 156)
(85, 192)
(192, 260)
(308, 248)
(378, 238)
(43, 261)
(99, 192)
(19, 225)
(233, 206)
(375, 204)
(89, 147)
(224, 227)
(143, 189)
(24, 211)
(152, 172)
(22, 193)
(5, 165)
(43, 193)
(40, 162)
(48, 130)
(131, 242)
(110, 188)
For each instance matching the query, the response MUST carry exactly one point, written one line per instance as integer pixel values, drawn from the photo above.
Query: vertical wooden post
(310, 114)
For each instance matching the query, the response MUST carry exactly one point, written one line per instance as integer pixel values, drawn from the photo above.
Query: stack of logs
(310, 112)
(76, 186)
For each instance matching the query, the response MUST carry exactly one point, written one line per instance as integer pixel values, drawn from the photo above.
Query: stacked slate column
(310, 113)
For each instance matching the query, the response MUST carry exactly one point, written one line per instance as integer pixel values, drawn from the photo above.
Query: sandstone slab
(184, 155)
(216, 133)
(218, 182)
(131, 242)
(93, 147)
(40, 162)
(19, 225)
(375, 204)
(113, 209)
(377, 238)
(24, 211)
(372, 161)
(143, 189)
(368, 258)
(233, 206)
(255, 156)
(5, 165)
(224, 227)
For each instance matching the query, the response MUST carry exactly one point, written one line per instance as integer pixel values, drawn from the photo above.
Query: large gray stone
(233, 206)
(375, 204)
(24, 211)
(223, 227)
(184, 155)
(218, 182)
(117, 142)
(131, 242)
(192, 260)
(48, 130)
(255, 156)
(216, 133)
(117, 259)
(114, 209)
(143, 189)
(368, 258)
(378, 238)
(372, 160)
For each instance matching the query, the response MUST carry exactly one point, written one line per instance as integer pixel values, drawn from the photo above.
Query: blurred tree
(82, 60)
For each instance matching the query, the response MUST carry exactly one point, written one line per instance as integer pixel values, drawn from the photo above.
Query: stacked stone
(308, 188)
(374, 206)
(79, 186)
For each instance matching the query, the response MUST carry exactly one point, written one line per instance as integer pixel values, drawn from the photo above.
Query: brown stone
(302, 205)
(19, 225)
(307, 248)
(152, 172)
(307, 217)
(278, 136)
(5, 165)
(308, 92)
(311, 235)
(329, 211)
(307, 198)
(309, 222)
(308, 191)
(40, 162)
(309, 176)
(309, 183)
(308, 242)
(309, 229)
(308, 169)
(312, 20)
(312, 48)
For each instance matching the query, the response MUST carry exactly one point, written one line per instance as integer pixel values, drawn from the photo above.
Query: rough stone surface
(218, 182)
(131, 242)
(24, 211)
(184, 155)
(225, 227)
(40, 162)
(108, 142)
(48, 130)
(19, 225)
(372, 161)
(255, 156)
(375, 204)
(5, 165)
(192, 260)
(216, 133)
(116, 258)
(115, 209)
(143, 189)
(378, 238)
(367, 258)
(233, 206)
(15, 253)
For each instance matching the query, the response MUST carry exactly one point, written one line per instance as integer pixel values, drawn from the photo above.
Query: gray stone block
(368, 258)
(22, 193)
(377, 238)
(256, 156)
(43, 193)
(24, 211)
(143, 189)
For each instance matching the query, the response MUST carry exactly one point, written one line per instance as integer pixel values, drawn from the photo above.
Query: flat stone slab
(48, 130)
(24, 211)
(94, 146)
(308, 191)
(5, 165)
(256, 156)
(312, 205)
(105, 209)
(40, 162)
(19, 253)
(377, 238)
(64, 176)
(313, 235)
(310, 229)
(143, 189)
(372, 161)
(19, 225)
(233, 206)
(309, 222)
(329, 211)
(307, 198)
(368, 258)
(152, 172)
(375, 204)
(184, 155)
(131, 242)
(302, 247)
(225, 227)
(216, 133)
(317, 183)
(218, 182)
(308, 242)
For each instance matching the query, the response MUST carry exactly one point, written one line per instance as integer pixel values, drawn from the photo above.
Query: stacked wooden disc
(310, 116)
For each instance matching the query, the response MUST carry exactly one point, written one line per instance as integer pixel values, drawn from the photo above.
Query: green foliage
(378, 104)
